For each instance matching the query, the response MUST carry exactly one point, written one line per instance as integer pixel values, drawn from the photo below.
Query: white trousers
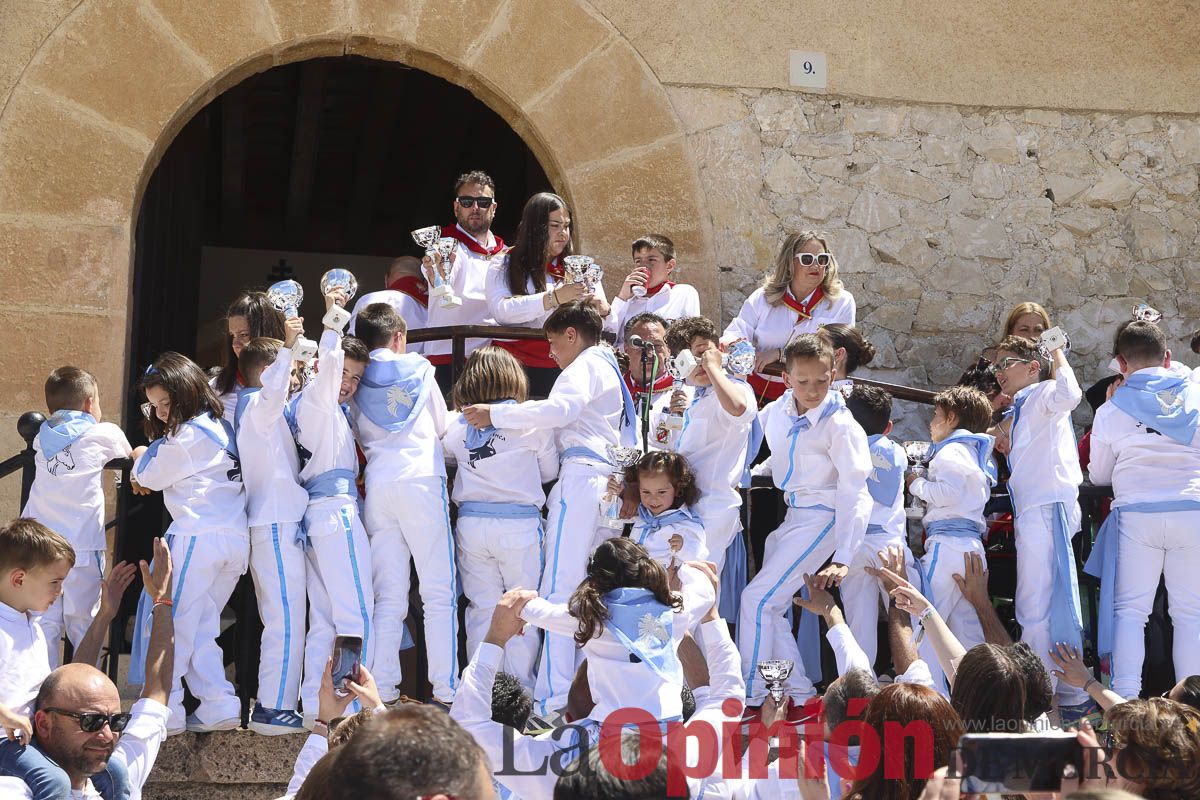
(863, 596)
(206, 571)
(340, 597)
(278, 567)
(410, 520)
(719, 529)
(76, 607)
(1035, 528)
(572, 533)
(799, 546)
(495, 555)
(943, 558)
(1151, 545)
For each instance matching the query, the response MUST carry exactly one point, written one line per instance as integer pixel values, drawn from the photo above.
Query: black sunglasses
(466, 201)
(92, 721)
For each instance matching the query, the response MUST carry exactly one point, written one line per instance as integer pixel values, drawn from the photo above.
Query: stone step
(229, 764)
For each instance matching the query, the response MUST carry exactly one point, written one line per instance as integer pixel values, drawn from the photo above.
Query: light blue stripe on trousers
(455, 583)
(287, 615)
(348, 527)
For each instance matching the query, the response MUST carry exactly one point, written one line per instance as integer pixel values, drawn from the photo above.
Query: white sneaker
(196, 726)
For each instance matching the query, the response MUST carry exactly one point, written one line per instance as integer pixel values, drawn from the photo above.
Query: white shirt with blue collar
(1044, 458)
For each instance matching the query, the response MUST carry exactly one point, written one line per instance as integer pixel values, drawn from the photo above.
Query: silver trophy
(445, 291)
(338, 279)
(775, 673)
(286, 297)
(1142, 312)
(918, 459)
(622, 458)
(584, 270)
(739, 358)
(428, 238)
(673, 421)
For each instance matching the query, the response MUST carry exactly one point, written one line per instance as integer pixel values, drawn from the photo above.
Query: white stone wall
(942, 218)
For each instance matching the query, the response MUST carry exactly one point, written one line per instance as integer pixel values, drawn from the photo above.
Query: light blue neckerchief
(628, 428)
(394, 389)
(62, 429)
(644, 626)
(478, 437)
(1167, 404)
(650, 524)
(887, 469)
(803, 423)
(980, 446)
(219, 431)
(1102, 562)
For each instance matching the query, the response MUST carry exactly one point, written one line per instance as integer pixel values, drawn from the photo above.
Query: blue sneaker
(1069, 716)
(275, 721)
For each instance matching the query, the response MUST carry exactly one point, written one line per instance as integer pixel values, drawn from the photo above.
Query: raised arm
(571, 394)
(1066, 394)
(165, 462)
(160, 652)
(112, 589)
(973, 583)
(551, 617)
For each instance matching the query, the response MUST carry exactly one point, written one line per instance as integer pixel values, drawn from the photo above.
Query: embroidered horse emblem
(879, 461)
(651, 631)
(397, 398)
(485, 450)
(62, 461)
(1169, 401)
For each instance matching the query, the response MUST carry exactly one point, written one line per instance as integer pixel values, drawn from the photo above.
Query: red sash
(635, 389)
(413, 286)
(804, 310)
(657, 289)
(470, 243)
(530, 352)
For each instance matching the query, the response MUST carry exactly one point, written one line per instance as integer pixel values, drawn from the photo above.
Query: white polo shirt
(671, 302)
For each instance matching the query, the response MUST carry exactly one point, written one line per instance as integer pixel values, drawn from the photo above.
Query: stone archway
(113, 84)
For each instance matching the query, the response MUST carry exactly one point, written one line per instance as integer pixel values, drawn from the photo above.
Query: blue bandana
(644, 626)
(479, 437)
(980, 445)
(650, 524)
(394, 389)
(887, 469)
(1166, 404)
(61, 430)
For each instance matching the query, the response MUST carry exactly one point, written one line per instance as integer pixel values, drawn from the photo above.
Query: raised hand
(158, 583)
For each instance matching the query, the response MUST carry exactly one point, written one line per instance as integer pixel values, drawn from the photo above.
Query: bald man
(406, 292)
(75, 695)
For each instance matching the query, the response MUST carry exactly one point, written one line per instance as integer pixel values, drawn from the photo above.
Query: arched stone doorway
(114, 83)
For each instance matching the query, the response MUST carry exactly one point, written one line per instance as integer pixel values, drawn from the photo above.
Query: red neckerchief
(804, 310)
(413, 286)
(657, 289)
(555, 269)
(470, 243)
(660, 385)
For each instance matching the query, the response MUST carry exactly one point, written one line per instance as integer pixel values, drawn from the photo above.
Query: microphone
(637, 341)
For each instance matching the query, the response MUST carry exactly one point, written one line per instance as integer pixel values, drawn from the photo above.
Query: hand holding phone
(347, 660)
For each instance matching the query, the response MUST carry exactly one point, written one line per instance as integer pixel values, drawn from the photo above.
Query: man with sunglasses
(79, 723)
(474, 209)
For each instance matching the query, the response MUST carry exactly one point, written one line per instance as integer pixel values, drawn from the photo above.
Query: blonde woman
(801, 293)
(1028, 320)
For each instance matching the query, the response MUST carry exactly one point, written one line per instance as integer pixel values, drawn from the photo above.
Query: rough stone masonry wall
(942, 218)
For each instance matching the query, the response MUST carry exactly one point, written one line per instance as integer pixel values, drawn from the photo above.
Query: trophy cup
(673, 421)
(739, 358)
(1142, 312)
(918, 459)
(622, 458)
(583, 269)
(444, 291)
(774, 673)
(431, 239)
(287, 296)
(335, 279)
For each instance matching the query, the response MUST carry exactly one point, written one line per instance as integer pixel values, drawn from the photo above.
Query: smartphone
(347, 658)
(1004, 763)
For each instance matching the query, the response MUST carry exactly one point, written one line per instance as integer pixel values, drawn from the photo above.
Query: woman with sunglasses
(800, 294)
(529, 283)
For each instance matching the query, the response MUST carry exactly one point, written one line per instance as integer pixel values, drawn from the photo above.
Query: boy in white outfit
(649, 288)
(400, 417)
(590, 409)
(961, 476)
(340, 592)
(67, 495)
(1044, 486)
(275, 506)
(820, 460)
(1146, 442)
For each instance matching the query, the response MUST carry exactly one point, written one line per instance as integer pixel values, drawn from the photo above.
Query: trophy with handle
(583, 270)
(1054, 339)
(338, 280)
(428, 238)
(1143, 312)
(622, 458)
(918, 459)
(673, 421)
(445, 248)
(286, 297)
(775, 673)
